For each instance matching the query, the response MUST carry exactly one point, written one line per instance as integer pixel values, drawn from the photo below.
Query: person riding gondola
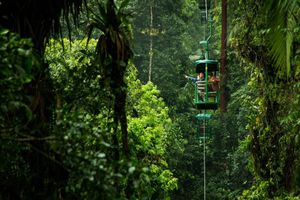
(214, 82)
(200, 81)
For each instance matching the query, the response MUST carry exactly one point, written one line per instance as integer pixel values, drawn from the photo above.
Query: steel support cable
(204, 157)
(204, 121)
(204, 130)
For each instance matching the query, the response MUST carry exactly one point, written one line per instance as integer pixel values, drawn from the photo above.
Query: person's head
(201, 75)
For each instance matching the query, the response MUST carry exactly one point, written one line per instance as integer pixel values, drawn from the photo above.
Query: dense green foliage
(273, 122)
(18, 64)
(90, 126)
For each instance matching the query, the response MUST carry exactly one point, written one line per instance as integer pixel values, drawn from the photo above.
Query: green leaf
(3, 31)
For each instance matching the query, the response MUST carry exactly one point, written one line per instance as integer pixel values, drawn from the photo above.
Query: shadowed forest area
(95, 101)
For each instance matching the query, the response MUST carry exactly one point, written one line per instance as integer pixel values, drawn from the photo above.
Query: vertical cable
(204, 157)
(206, 18)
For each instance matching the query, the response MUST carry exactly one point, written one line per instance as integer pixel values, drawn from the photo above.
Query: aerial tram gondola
(207, 83)
(208, 97)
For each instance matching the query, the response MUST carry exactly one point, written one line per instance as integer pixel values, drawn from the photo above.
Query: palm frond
(114, 25)
(124, 4)
(281, 41)
(281, 22)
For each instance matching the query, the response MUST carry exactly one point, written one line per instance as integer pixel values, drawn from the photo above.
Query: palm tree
(113, 53)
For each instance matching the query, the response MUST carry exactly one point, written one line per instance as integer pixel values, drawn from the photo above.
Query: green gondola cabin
(208, 97)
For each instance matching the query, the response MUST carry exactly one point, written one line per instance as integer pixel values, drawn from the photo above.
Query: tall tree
(223, 54)
(151, 41)
(113, 53)
(264, 39)
(36, 20)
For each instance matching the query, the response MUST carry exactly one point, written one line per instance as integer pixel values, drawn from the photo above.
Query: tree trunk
(151, 42)
(223, 54)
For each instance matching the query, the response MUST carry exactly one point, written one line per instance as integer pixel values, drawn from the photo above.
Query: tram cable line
(206, 85)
